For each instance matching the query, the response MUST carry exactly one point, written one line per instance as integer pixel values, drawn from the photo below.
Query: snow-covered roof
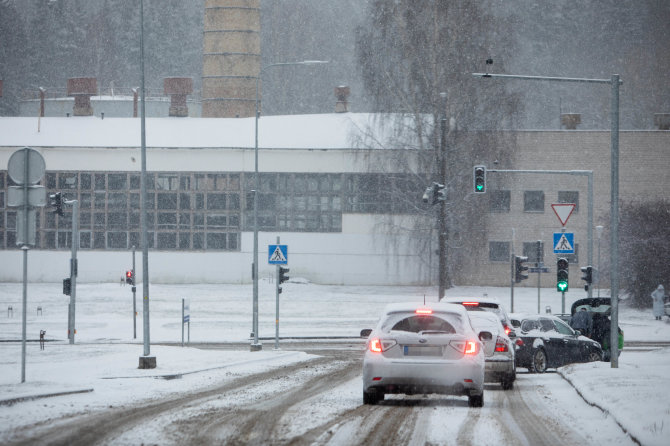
(317, 131)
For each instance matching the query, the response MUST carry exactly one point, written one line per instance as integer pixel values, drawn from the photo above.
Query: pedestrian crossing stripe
(277, 256)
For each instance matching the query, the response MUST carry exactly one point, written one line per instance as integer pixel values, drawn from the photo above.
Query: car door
(570, 342)
(553, 343)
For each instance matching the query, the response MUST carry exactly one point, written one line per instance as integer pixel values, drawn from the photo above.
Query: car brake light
(501, 345)
(519, 342)
(375, 345)
(507, 329)
(474, 304)
(470, 348)
(424, 311)
(381, 345)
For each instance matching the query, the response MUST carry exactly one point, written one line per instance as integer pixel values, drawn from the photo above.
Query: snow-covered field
(635, 395)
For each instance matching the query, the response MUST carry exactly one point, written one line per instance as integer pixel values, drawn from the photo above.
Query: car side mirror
(578, 333)
(365, 332)
(485, 336)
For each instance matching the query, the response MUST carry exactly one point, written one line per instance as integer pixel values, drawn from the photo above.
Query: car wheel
(476, 400)
(595, 356)
(507, 382)
(372, 397)
(539, 361)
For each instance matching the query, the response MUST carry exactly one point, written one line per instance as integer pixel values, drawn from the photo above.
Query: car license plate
(420, 350)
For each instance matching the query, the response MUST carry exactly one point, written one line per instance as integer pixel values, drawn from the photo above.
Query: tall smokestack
(231, 58)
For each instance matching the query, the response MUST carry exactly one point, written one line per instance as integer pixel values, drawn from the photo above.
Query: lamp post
(599, 232)
(255, 346)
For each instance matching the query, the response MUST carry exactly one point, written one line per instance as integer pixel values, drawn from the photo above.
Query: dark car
(600, 309)
(545, 341)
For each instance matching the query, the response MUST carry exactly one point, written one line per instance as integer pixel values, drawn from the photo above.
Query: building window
(499, 251)
(569, 196)
(530, 251)
(533, 201)
(499, 200)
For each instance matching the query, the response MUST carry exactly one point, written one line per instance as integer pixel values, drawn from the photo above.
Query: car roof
(459, 299)
(524, 316)
(435, 306)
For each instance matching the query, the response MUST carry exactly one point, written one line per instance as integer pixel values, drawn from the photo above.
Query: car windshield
(410, 322)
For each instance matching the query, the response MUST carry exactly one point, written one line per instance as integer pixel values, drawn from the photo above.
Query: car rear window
(411, 322)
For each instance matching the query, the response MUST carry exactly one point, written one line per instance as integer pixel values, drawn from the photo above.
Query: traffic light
(434, 193)
(587, 276)
(520, 268)
(562, 274)
(67, 286)
(479, 179)
(56, 200)
(282, 277)
(129, 277)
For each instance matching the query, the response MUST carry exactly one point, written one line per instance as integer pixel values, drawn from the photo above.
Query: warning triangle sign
(277, 256)
(563, 211)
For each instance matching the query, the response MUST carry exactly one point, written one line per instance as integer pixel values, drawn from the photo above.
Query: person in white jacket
(658, 297)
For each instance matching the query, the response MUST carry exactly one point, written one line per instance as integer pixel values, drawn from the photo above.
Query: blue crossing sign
(277, 254)
(564, 242)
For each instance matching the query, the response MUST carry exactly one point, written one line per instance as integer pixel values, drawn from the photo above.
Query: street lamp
(599, 233)
(255, 346)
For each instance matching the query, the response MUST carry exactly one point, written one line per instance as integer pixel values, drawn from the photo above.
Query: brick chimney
(82, 88)
(661, 120)
(571, 120)
(342, 93)
(178, 88)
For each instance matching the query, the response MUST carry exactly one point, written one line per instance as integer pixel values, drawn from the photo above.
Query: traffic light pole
(134, 289)
(614, 81)
(73, 269)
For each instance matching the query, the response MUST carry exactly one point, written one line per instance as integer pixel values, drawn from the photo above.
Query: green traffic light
(562, 286)
(480, 186)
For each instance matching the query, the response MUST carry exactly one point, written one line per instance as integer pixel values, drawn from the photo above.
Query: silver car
(424, 348)
(499, 350)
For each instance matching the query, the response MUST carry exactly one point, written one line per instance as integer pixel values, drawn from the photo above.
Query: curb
(602, 409)
(12, 401)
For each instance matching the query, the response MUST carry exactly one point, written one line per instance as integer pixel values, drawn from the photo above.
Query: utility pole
(443, 235)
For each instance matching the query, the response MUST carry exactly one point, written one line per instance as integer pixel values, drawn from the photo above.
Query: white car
(421, 349)
(499, 350)
(485, 304)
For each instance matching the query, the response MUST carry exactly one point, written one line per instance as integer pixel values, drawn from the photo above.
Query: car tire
(507, 382)
(476, 400)
(595, 356)
(372, 397)
(539, 361)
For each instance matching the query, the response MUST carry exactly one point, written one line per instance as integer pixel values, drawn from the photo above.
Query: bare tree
(417, 60)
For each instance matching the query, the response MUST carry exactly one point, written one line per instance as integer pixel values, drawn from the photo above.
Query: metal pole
(255, 346)
(277, 304)
(539, 273)
(614, 224)
(24, 248)
(599, 232)
(143, 195)
(589, 232)
(182, 322)
(73, 267)
(512, 278)
(443, 278)
(134, 299)
(254, 328)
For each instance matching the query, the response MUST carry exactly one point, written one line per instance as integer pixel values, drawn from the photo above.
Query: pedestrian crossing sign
(277, 254)
(564, 242)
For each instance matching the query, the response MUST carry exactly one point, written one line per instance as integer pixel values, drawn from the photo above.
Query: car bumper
(497, 368)
(462, 377)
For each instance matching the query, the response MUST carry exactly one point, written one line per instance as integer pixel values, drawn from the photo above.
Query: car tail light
(519, 342)
(472, 304)
(507, 329)
(501, 345)
(381, 345)
(465, 347)
(424, 311)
